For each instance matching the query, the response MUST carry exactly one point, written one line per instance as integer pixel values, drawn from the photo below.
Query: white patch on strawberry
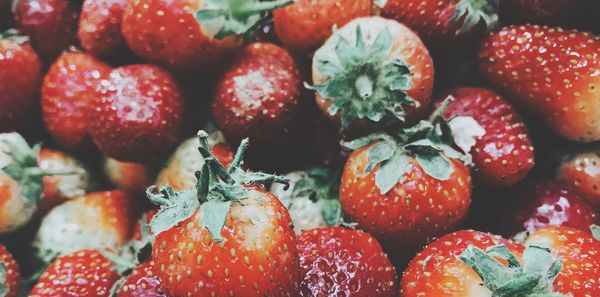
(465, 131)
(72, 185)
(15, 211)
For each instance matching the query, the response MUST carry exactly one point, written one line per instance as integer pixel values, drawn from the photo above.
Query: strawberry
(83, 273)
(51, 25)
(259, 97)
(184, 34)
(227, 237)
(443, 22)
(305, 25)
(550, 72)
(134, 177)
(311, 199)
(140, 231)
(100, 28)
(20, 77)
(67, 92)
(409, 188)
(534, 205)
(93, 221)
(580, 254)
(137, 113)
(142, 282)
(582, 172)
(336, 261)
(504, 155)
(180, 170)
(543, 12)
(9, 274)
(372, 72)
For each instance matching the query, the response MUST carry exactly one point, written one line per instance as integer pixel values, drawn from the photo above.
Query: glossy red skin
(80, 274)
(582, 172)
(534, 205)
(305, 25)
(436, 270)
(51, 25)
(543, 12)
(410, 214)
(166, 32)
(580, 253)
(20, 79)
(551, 73)
(67, 93)
(259, 96)
(504, 155)
(142, 282)
(136, 114)
(100, 27)
(12, 278)
(335, 261)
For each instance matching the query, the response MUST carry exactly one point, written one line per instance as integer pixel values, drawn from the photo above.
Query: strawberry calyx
(3, 284)
(234, 17)
(473, 12)
(431, 142)
(14, 35)
(363, 83)
(533, 278)
(322, 186)
(595, 230)
(217, 188)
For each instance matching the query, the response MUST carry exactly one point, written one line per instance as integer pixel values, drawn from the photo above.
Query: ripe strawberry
(409, 188)
(305, 25)
(582, 172)
(227, 237)
(51, 25)
(372, 72)
(134, 177)
(259, 97)
(311, 199)
(142, 282)
(580, 254)
(504, 155)
(20, 77)
(81, 273)
(543, 12)
(336, 261)
(9, 274)
(180, 170)
(100, 28)
(534, 205)
(67, 93)
(136, 113)
(550, 72)
(184, 34)
(443, 22)
(93, 221)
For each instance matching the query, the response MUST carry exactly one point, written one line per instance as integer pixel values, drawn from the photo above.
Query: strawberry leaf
(434, 164)
(474, 12)
(322, 186)
(174, 207)
(595, 229)
(332, 211)
(381, 151)
(390, 172)
(3, 284)
(213, 214)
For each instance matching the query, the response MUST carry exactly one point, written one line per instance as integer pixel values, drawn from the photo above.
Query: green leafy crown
(363, 83)
(475, 11)
(216, 190)
(430, 142)
(15, 35)
(322, 186)
(532, 279)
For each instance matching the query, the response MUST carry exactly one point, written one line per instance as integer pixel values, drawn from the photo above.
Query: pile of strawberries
(408, 148)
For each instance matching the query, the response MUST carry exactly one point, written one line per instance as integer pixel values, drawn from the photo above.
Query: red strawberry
(504, 155)
(544, 12)
(100, 27)
(51, 25)
(134, 177)
(136, 114)
(20, 77)
(184, 34)
(305, 25)
(582, 172)
(67, 93)
(227, 237)
(259, 97)
(82, 273)
(443, 22)
(335, 261)
(180, 170)
(9, 274)
(580, 254)
(553, 73)
(407, 189)
(93, 221)
(535, 205)
(372, 72)
(142, 282)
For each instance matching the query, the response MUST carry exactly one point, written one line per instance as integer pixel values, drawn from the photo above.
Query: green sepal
(391, 172)
(175, 207)
(322, 186)
(595, 230)
(235, 17)
(116, 287)
(214, 213)
(14, 35)
(474, 12)
(120, 265)
(3, 276)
